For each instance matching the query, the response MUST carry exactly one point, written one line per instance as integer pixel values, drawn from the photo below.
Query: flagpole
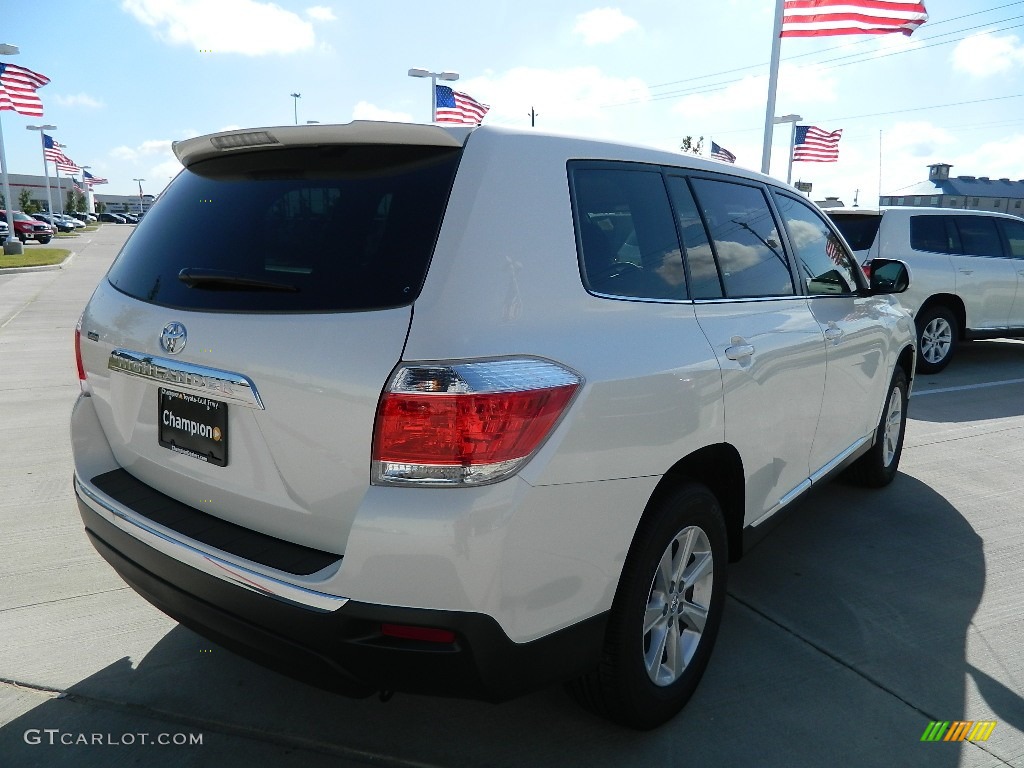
(773, 83)
(12, 246)
(60, 202)
(46, 173)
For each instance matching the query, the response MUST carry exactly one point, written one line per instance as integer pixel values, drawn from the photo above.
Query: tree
(80, 202)
(692, 147)
(69, 205)
(26, 203)
(100, 206)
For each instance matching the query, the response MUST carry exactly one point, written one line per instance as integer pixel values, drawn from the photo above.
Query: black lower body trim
(344, 650)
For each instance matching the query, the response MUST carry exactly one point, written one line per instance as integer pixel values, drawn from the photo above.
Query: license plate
(194, 426)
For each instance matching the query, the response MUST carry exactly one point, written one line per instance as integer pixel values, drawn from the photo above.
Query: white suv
(469, 411)
(968, 270)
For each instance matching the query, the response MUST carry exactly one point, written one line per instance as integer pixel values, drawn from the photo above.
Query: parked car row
(62, 223)
(120, 218)
(967, 268)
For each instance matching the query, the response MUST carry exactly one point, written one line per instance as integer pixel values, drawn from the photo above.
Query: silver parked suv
(470, 411)
(966, 267)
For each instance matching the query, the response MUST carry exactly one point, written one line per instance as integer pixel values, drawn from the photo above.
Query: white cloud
(160, 175)
(799, 89)
(364, 110)
(603, 25)
(997, 159)
(145, 149)
(226, 26)
(561, 97)
(77, 100)
(917, 139)
(985, 54)
(321, 13)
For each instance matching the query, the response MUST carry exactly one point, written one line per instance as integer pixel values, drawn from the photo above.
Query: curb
(41, 268)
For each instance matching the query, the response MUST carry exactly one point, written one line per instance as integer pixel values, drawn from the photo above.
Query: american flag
(18, 90)
(834, 250)
(90, 179)
(52, 150)
(67, 166)
(814, 18)
(74, 185)
(815, 145)
(721, 153)
(455, 107)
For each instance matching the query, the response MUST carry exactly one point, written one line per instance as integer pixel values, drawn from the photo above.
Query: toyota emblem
(173, 338)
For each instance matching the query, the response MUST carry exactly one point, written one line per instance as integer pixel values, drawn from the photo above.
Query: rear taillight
(466, 423)
(83, 381)
(866, 266)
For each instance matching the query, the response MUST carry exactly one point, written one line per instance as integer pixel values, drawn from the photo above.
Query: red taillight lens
(467, 423)
(866, 266)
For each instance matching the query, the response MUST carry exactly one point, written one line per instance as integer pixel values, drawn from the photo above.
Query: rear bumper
(344, 650)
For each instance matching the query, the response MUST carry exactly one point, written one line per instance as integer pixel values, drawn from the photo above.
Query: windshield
(858, 229)
(342, 227)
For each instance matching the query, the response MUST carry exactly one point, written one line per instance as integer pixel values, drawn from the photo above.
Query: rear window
(313, 229)
(858, 229)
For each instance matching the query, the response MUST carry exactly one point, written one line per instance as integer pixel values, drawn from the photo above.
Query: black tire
(44, 240)
(622, 688)
(23, 239)
(937, 334)
(878, 467)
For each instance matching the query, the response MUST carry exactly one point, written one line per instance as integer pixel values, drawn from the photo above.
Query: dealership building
(36, 186)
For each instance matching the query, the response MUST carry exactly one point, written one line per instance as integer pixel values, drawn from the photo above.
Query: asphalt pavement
(863, 617)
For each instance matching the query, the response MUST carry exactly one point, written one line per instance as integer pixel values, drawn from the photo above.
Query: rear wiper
(224, 280)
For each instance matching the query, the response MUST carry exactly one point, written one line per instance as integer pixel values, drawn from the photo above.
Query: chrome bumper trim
(208, 563)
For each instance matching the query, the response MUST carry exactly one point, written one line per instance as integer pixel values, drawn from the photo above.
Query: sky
(129, 77)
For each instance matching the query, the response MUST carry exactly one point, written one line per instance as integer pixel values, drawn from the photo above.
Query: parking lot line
(966, 387)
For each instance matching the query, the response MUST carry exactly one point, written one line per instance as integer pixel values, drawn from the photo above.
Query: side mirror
(889, 276)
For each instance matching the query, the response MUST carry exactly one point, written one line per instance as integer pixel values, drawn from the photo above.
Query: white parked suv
(468, 411)
(967, 268)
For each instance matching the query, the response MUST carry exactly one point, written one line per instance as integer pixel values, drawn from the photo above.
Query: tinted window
(1014, 231)
(626, 236)
(858, 229)
(824, 263)
(978, 236)
(934, 233)
(705, 282)
(745, 239)
(320, 229)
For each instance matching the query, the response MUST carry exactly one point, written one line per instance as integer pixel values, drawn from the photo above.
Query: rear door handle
(739, 349)
(966, 271)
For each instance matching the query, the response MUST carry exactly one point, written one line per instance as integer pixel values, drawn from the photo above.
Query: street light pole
(296, 97)
(794, 119)
(140, 194)
(46, 168)
(12, 246)
(87, 187)
(434, 77)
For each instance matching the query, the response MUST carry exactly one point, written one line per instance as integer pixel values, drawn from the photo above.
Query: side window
(823, 260)
(705, 282)
(978, 236)
(745, 239)
(933, 233)
(625, 234)
(1014, 232)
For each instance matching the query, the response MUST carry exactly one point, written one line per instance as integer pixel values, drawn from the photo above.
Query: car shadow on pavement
(843, 636)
